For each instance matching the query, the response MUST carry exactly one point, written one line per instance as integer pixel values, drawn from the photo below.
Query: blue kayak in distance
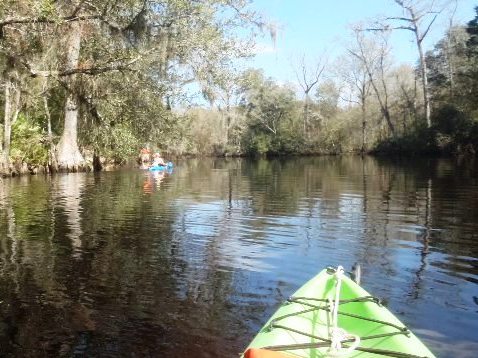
(168, 166)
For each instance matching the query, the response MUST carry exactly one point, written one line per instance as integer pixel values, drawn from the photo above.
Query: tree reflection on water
(90, 265)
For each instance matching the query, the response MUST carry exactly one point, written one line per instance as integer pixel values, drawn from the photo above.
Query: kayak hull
(154, 168)
(283, 327)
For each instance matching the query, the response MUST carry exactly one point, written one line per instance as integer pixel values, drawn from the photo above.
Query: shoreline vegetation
(84, 87)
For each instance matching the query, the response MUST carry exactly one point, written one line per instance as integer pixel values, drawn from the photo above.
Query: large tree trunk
(5, 160)
(306, 115)
(52, 162)
(364, 124)
(6, 125)
(11, 111)
(426, 92)
(69, 156)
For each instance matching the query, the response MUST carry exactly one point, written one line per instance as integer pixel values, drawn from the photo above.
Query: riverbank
(389, 153)
(454, 136)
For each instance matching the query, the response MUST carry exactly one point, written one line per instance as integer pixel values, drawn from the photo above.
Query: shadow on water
(192, 262)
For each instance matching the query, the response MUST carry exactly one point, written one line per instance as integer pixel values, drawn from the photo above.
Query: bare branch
(388, 28)
(348, 100)
(399, 18)
(428, 28)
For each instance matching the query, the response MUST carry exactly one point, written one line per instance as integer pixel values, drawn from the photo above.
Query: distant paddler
(158, 160)
(144, 155)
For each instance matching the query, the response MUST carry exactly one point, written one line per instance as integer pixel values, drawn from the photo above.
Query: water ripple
(193, 262)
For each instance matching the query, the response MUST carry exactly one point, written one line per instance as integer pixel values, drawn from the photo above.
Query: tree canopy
(88, 82)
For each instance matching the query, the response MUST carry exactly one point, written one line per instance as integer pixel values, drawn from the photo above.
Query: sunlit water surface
(192, 263)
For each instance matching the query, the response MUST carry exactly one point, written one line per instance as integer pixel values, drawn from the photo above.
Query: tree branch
(388, 28)
(428, 28)
(399, 18)
(45, 20)
(92, 71)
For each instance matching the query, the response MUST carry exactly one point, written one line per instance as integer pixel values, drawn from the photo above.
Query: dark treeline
(86, 84)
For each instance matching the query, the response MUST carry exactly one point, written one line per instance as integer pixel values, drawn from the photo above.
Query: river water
(193, 262)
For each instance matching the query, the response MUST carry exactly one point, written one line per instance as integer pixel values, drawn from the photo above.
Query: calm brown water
(130, 264)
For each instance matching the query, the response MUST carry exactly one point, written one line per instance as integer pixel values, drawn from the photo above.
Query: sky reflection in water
(194, 261)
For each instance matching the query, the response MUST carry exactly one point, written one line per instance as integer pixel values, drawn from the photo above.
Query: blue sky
(311, 27)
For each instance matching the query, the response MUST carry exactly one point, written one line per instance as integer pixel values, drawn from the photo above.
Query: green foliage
(421, 141)
(47, 8)
(272, 115)
(472, 29)
(146, 54)
(204, 131)
(259, 144)
(117, 142)
(451, 121)
(457, 127)
(328, 95)
(28, 142)
(138, 56)
(453, 132)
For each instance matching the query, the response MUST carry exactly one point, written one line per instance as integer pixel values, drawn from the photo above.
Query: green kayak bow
(332, 316)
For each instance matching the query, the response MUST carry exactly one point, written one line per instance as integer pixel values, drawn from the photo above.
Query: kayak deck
(301, 326)
(168, 166)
